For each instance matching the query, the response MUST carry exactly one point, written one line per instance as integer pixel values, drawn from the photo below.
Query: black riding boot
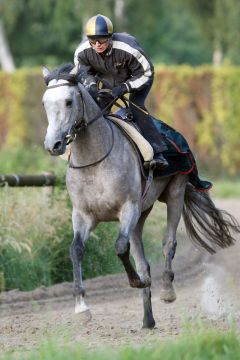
(152, 135)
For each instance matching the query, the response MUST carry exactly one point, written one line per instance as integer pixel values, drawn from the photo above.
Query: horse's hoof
(148, 324)
(137, 283)
(168, 295)
(84, 316)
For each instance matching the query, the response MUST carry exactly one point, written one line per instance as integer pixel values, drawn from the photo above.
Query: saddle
(178, 154)
(132, 131)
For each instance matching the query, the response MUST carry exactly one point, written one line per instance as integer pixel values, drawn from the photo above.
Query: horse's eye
(68, 103)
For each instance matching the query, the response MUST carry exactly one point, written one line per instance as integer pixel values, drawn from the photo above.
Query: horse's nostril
(57, 145)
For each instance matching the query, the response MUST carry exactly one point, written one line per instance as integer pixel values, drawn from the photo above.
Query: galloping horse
(105, 183)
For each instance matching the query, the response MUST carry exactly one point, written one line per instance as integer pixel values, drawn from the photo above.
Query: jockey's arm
(88, 73)
(142, 71)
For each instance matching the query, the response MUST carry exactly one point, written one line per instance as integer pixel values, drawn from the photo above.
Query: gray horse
(105, 183)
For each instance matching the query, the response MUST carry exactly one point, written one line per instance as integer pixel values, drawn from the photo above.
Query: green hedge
(202, 103)
(22, 117)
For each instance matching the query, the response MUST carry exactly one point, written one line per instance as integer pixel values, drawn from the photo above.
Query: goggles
(100, 41)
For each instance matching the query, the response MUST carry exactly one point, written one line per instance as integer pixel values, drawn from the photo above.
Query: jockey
(118, 61)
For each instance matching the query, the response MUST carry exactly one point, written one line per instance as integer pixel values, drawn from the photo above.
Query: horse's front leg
(81, 230)
(128, 218)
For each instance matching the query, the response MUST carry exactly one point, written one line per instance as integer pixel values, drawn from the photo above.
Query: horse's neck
(94, 141)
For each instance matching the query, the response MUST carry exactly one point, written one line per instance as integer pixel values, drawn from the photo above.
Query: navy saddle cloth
(178, 155)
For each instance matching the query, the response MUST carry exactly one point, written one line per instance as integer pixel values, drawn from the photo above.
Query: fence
(47, 179)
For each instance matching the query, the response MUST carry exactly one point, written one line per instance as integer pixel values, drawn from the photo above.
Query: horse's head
(64, 108)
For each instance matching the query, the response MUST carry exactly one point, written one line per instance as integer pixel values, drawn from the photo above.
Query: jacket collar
(110, 47)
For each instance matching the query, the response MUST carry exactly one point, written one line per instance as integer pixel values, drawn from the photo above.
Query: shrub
(202, 103)
(35, 236)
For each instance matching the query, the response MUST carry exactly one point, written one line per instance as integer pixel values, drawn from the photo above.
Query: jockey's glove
(119, 90)
(93, 91)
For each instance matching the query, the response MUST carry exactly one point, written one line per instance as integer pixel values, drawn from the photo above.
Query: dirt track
(207, 287)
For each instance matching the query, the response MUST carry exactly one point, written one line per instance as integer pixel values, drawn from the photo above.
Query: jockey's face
(99, 45)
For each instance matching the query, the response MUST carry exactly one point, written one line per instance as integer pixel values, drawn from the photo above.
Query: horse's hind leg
(81, 230)
(143, 269)
(137, 250)
(128, 218)
(174, 198)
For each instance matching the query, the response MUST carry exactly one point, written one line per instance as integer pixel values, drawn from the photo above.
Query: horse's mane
(63, 72)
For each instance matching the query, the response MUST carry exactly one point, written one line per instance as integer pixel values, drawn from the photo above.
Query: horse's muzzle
(57, 148)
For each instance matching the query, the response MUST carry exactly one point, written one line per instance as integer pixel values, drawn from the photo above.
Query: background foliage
(35, 237)
(200, 102)
(47, 32)
(171, 31)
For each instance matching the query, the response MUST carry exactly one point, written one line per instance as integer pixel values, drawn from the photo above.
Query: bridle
(81, 124)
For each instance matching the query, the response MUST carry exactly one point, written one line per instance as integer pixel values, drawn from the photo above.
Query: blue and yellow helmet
(98, 26)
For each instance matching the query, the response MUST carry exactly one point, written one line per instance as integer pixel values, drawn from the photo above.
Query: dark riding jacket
(124, 61)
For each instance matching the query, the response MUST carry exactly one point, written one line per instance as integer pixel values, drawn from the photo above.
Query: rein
(97, 161)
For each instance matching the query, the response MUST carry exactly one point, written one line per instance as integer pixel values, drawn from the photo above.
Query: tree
(41, 31)
(167, 32)
(48, 31)
(120, 12)
(6, 59)
(219, 23)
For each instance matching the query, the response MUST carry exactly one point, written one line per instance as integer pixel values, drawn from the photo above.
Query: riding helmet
(99, 26)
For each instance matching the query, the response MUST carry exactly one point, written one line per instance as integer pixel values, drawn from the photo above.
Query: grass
(30, 160)
(35, 236)
(203, 345)
(32, 226)
(36, 232)
(226, 188)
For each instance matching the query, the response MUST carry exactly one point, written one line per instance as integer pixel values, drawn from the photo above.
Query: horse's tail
(207, 225)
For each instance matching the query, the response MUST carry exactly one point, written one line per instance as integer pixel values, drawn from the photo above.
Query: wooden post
(46, 179)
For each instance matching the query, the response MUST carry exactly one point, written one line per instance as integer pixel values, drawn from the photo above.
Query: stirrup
(149, 164)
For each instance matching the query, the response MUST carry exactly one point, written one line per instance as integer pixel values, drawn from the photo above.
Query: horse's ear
(45, 72)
